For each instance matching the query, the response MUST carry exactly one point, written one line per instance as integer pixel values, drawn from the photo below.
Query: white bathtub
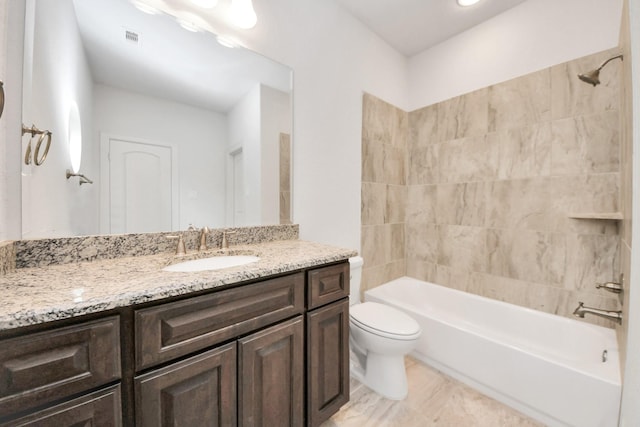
(546, 366)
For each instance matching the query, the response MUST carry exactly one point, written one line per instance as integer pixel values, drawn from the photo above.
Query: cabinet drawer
(41, 367)
(327, 284)
(176, 329)
(98, 409)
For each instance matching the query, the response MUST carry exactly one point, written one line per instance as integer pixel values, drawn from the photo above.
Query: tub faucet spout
(616, 316)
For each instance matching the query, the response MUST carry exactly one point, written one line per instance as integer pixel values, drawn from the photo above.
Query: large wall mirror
(175, 128)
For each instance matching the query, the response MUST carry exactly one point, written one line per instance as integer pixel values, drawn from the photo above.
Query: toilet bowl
(380, 336)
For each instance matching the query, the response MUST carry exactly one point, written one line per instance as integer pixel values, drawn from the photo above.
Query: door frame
(105, 175)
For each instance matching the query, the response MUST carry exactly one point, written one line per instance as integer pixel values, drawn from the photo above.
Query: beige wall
(487, 185)
(384, 191)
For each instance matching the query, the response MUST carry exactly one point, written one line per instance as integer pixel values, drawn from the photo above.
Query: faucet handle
(180, 248)
(614, 287)
(225, 242)
(203, 238)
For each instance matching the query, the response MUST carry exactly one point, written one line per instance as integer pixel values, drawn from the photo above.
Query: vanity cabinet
(272, 352)
(41, 368)
(327, 342)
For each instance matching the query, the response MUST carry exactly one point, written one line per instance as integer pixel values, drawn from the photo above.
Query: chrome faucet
(204, 231)
(616, 316)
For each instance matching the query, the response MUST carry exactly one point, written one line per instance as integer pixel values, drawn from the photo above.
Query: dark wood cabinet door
(199, 391)
(97, 409)
(270, 372)
(38, 368)
(327, 361)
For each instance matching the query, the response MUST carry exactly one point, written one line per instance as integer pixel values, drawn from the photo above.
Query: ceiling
(175, 64)
(411, 26)
(167, 61)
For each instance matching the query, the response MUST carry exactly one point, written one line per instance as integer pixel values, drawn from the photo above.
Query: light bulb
(205, 4)
(146, 8)
(467, 2)
(226, 42)
(242, 14)
(188, 25)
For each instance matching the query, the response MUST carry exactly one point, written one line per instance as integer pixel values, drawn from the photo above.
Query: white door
(141, 185)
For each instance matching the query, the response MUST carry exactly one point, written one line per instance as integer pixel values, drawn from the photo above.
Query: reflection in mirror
(176, 129)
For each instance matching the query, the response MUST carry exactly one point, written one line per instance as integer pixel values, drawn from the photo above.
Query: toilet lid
(384, 320)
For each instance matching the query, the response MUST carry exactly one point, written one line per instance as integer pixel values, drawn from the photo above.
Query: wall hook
(83, 179)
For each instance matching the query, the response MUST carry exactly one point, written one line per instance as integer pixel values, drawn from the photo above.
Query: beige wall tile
(525, 152)
(522, 204)
(396, 204)
(374, 201)
(421, 204)
(453, 278)
(462, 247)
(468, 159)
(372, 161)
(591, 259)
(423, 126)
(422, 242)
(597, 193)
(586, 144)
(527, 255)
(461, 204)
(423, 165)
(421, 270)
(520, 102)
(463, 116)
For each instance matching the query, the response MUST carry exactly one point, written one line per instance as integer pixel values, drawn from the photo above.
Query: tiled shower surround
(478, 192)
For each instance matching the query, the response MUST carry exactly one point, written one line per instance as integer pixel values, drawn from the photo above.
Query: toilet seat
(384, 321)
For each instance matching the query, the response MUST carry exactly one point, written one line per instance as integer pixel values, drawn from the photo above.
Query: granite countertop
(43, 294)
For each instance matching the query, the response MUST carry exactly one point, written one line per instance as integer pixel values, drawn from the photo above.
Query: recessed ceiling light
(467, 2)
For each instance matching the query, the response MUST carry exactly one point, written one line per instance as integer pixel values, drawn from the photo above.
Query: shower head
(593, 77)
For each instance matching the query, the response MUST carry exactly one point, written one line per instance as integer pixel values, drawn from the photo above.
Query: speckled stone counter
(43, 294)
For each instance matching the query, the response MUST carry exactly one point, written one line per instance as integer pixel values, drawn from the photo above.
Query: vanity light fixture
(242, 15)
(188, 25)
(465, 3)
(144, 7)
(205, 4)
(226, 42)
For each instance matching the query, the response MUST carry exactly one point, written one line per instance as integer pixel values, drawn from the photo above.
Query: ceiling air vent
(131, 36)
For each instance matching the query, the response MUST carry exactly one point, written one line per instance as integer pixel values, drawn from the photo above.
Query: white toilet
(380, 336)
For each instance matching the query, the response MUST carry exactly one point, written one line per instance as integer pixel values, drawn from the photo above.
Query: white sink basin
(213, 263)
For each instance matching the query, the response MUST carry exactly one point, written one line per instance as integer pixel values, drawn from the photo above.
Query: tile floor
(434, 400)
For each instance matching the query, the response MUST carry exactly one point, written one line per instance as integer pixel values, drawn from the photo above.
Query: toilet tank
(355, 278)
